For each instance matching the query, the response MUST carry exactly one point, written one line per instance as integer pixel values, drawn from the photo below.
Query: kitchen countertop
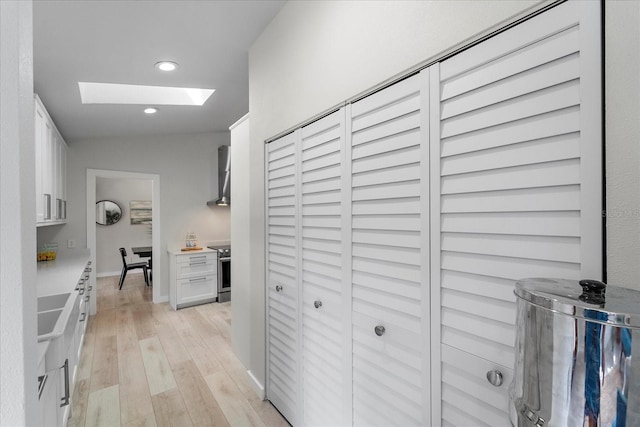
(61, 276)
(177, 251)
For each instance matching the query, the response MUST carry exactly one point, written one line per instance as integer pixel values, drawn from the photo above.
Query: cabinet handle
(87, 298)
(317, 304)
(42, 380)
(64, 209)
(88, 269)
(47, 206)
(81, 291)
(199, 279)
(59, 209)
(90, 287)
(278, 288)
(197, 263)
(84, 316)
(379, 330)
(65, 398)
(495, 378)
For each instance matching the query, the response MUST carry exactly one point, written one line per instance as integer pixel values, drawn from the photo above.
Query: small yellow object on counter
(47, 253)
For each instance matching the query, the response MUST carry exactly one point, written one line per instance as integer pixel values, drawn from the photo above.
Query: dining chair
(126, 267)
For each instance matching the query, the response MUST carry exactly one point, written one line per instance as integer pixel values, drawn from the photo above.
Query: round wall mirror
(107, 212)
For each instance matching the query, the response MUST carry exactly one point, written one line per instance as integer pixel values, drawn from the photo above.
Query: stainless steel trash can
(577, 355)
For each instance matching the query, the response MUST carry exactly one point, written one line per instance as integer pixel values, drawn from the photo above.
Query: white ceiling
(120, 41)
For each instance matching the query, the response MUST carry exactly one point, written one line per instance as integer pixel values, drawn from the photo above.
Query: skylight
(113, 93)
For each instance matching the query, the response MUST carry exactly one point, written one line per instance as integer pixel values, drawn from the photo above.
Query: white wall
(240, 238)
(187, 165)
(18, 401)
(121, 234)
(315, 55)
(622, 120)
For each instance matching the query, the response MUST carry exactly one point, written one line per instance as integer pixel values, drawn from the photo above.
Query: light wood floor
(145, 364)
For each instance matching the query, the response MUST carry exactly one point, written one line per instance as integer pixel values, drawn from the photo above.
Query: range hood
(224, 177)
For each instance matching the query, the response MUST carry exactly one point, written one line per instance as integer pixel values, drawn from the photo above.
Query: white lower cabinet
(398, 225)
(48, 399)
(62, 358)
(192, 278)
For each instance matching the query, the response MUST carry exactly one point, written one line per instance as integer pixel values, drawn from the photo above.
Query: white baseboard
(108, 273)
(257, 387)
(116, 273)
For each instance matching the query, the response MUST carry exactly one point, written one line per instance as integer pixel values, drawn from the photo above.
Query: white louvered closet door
(516, 154)
(325, 402)
(390, 257)
(283, 355)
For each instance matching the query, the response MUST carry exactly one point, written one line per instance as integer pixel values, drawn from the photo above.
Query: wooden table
(145, 252)
(142, 251)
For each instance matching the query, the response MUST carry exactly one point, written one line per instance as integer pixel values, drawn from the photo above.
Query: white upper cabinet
(51, 173)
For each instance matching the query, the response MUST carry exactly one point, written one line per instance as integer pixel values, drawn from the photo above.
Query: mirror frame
(112, 220)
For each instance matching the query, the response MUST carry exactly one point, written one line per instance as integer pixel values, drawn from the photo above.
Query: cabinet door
(516, 139)
(49, 400)
(283, 355)
(390, 270)
(43, 156)
(324, 352)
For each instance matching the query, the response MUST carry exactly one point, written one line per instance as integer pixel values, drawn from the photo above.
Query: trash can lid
(591, 300)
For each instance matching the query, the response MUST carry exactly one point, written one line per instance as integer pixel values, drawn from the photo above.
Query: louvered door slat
(513, 151)
(321, 147)
(282, 264)
(388, 192)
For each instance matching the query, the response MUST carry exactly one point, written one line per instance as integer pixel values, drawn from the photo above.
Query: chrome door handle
(495, 378)
(317, 304)
(278, 288)
(379, 330)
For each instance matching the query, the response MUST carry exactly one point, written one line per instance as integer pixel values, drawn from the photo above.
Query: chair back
(123, 253)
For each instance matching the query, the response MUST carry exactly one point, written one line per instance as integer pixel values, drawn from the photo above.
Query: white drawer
(197, 288)
(195, 258)
(193, 266)
(468, 398)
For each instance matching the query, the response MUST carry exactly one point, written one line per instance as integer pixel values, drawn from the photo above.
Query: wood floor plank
(135, 398)
(200, 354)
(104, 369)
(159, 375)
(170, 409)
(103, 409)
(235, 407)
(148, 421)
(79, 400)
(201, 405)
(173, 347)
(144, 323)
(106, 323)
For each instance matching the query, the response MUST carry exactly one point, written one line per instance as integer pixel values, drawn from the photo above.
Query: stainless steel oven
(224, 272)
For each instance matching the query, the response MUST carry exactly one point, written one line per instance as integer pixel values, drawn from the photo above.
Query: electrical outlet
(71, 243)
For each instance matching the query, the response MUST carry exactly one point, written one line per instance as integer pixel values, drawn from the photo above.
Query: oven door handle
(228, 258)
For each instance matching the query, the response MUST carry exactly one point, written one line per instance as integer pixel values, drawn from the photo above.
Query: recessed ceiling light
(150, 110)
(166, 65)
(112, 93)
